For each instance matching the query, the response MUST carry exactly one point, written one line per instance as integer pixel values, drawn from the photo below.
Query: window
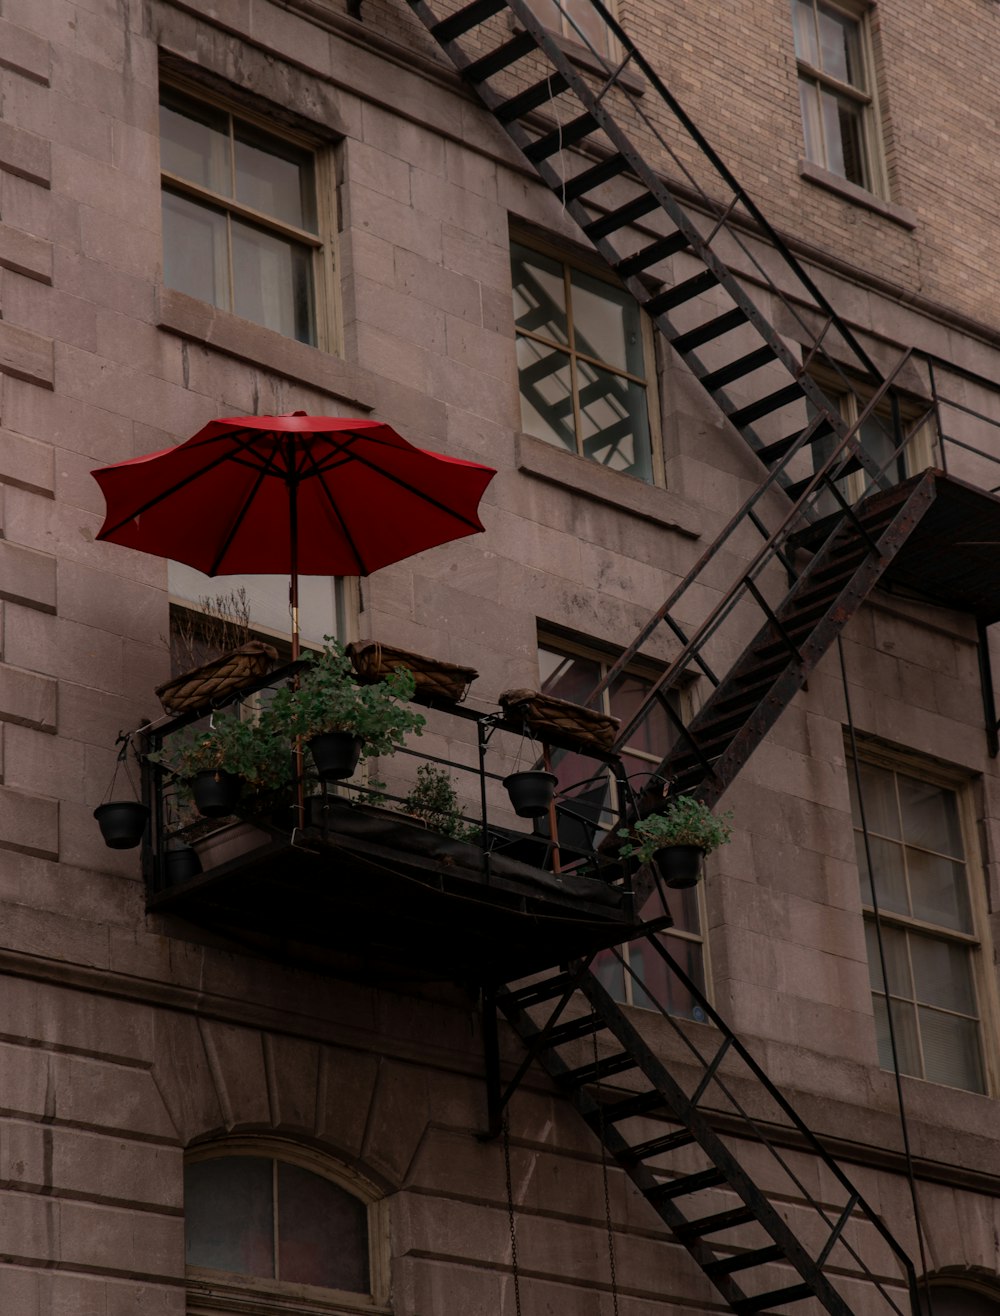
(926, 894)
(833, 48)
(576, 19)
(582, 363)
(570, 671)
(240, 216)
(878, 437)
(277, 1225)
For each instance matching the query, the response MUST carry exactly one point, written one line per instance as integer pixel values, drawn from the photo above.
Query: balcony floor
(374, 896)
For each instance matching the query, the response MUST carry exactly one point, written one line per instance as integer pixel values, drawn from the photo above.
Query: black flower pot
(531, 792)
(122, 823)
(216, 793)
(335, 754)
(679, 865)
(180, 863)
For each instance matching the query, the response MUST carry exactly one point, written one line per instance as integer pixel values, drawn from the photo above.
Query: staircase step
(773, 452)
(765, 405)
(526, 101)
(682, 292)
(748, 1260)
(661, 249)
(582, 183)
(568, 135)
(744, 365)
(687, 1184)
(464, 20)
(537, 992)
(509, 53)
(667, 1142)
(641, 1104)
(709, 331)
(574, 1029)
(714, 1224)
(776, 1298)
(619, 1063)
(620, 218)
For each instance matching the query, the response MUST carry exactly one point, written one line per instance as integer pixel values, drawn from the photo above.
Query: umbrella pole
(293, 595)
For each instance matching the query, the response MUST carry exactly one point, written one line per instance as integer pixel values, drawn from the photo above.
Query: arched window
(268, 1218)
(963, 1299)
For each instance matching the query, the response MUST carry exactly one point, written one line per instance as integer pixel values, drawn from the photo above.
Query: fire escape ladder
(561, 117)
(685, 1136)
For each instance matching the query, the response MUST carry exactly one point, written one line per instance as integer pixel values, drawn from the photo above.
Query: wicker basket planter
(373, 661)
(544, 714)
(229, 672)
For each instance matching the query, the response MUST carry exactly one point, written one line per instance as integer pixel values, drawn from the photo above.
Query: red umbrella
(310, 495)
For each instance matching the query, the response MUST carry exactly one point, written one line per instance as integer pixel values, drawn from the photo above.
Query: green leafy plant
(255, 751)
(433, 800)
(329, 698)
(683, 821)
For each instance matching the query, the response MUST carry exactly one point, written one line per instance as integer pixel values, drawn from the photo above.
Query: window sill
(623, 492)
(230, 334)
(813, 173)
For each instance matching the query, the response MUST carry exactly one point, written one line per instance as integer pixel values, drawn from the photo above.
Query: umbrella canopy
(310, 495)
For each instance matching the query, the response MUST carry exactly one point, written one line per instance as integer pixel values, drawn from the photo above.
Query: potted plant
(122, 822)
(432, 799)
(531, 792)
(677, 839)
(218, 763)
(343, 722)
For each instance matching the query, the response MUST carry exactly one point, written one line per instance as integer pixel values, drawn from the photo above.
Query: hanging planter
(122, 822)
(216, 793)
(679, 865)
(531, 793)
(180, 863)
(335, 754)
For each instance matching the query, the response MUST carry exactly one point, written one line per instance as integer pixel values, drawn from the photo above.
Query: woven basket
(374, 661)
(544, 713)
(229, 672)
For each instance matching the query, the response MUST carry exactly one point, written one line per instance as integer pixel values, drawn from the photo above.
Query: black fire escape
(833, 522)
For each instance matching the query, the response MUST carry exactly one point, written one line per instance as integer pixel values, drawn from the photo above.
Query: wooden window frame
(321, 243)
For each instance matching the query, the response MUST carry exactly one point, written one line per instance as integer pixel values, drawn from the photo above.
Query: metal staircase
(673, 235)
(696, 1137)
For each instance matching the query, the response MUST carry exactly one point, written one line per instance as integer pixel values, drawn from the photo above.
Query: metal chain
(607, 1193)
(510, 1216)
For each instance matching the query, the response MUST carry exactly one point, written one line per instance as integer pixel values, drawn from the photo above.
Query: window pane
(539, 295)
(879, 792)
(566, 675)
(583, 23)
(664, 988)
(273, 279)
(546, 393)
(228, 1215)
(194, 142)
(904, 1020)
(195, 260)
(838, 38)
(274, 177)
(804, 21)
(896, 960)
(606, 323)
(930, 816)
(322, 1232)
(890, 883)
(843, 133)
(610, 974)
(812, 126)
(613, 424)
(654, 733)
(951, 1050)
(941, 973)
(938, 890)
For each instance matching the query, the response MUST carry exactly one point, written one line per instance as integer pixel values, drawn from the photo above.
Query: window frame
(322, 244)
(570, 260)
(573, 646)
(864, 97)
(978, 942)
(214, 1292)
(569, 33)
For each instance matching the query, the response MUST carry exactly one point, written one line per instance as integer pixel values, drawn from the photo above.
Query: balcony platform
(366, 893)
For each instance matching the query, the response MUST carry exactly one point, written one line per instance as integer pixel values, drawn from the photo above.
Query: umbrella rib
(396, 479)
(362, 567)
(167, 493)
(263, 472)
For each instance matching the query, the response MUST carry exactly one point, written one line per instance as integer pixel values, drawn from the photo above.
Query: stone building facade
(135, 1044)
